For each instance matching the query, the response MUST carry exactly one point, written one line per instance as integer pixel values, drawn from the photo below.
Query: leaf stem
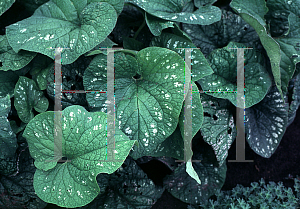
(127, 51)
(140, 28)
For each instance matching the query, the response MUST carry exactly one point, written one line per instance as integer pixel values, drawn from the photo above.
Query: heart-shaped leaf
(84, 135)
(77, 25)
(149, 93)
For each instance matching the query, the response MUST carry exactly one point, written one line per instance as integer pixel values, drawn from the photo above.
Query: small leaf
(28, 96)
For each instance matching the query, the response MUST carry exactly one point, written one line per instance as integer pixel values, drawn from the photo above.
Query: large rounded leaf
(266, 123)
(174, 11)
(74, 24)
(72, 183)
(149, 92)
(224, 64)
(28, 96)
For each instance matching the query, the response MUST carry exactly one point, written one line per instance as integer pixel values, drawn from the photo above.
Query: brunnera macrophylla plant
(154, 79)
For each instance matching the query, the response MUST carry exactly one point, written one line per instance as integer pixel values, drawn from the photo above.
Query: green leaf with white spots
(185, 188)
(218, 129)
(266, 123)
(28, 96)
(231, 27)
(39, 70)
(8, 140)
(84, 138)
(5, 5)
(175, 11)
(74, 24)
(200, 66)
(253, 11)
(149, 93)
(156, 25)
(224, 63)
(9, 59)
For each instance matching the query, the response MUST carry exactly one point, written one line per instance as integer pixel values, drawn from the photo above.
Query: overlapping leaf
(156, 25)
(253, 11)
(200, 66)
(147, 108)
(174, 11)
(290, 42)
(231, 27)
(218, 128)
(76, 25)
(212, 177)
(9, 59)
(73, 183)
(224, 79)
(16, 191)
(8, 80)
(266, 123)
(128, 187)
(28, 96)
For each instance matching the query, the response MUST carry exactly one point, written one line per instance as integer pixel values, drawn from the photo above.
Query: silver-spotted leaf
(9, 59)
(73, 24)
(200, 66)
(175, 11)
(28, 96)
(149, 93)
(218, 129)
(84, 137)
(224, 79)
(266, 123)
(231, 27)
(5, 5)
